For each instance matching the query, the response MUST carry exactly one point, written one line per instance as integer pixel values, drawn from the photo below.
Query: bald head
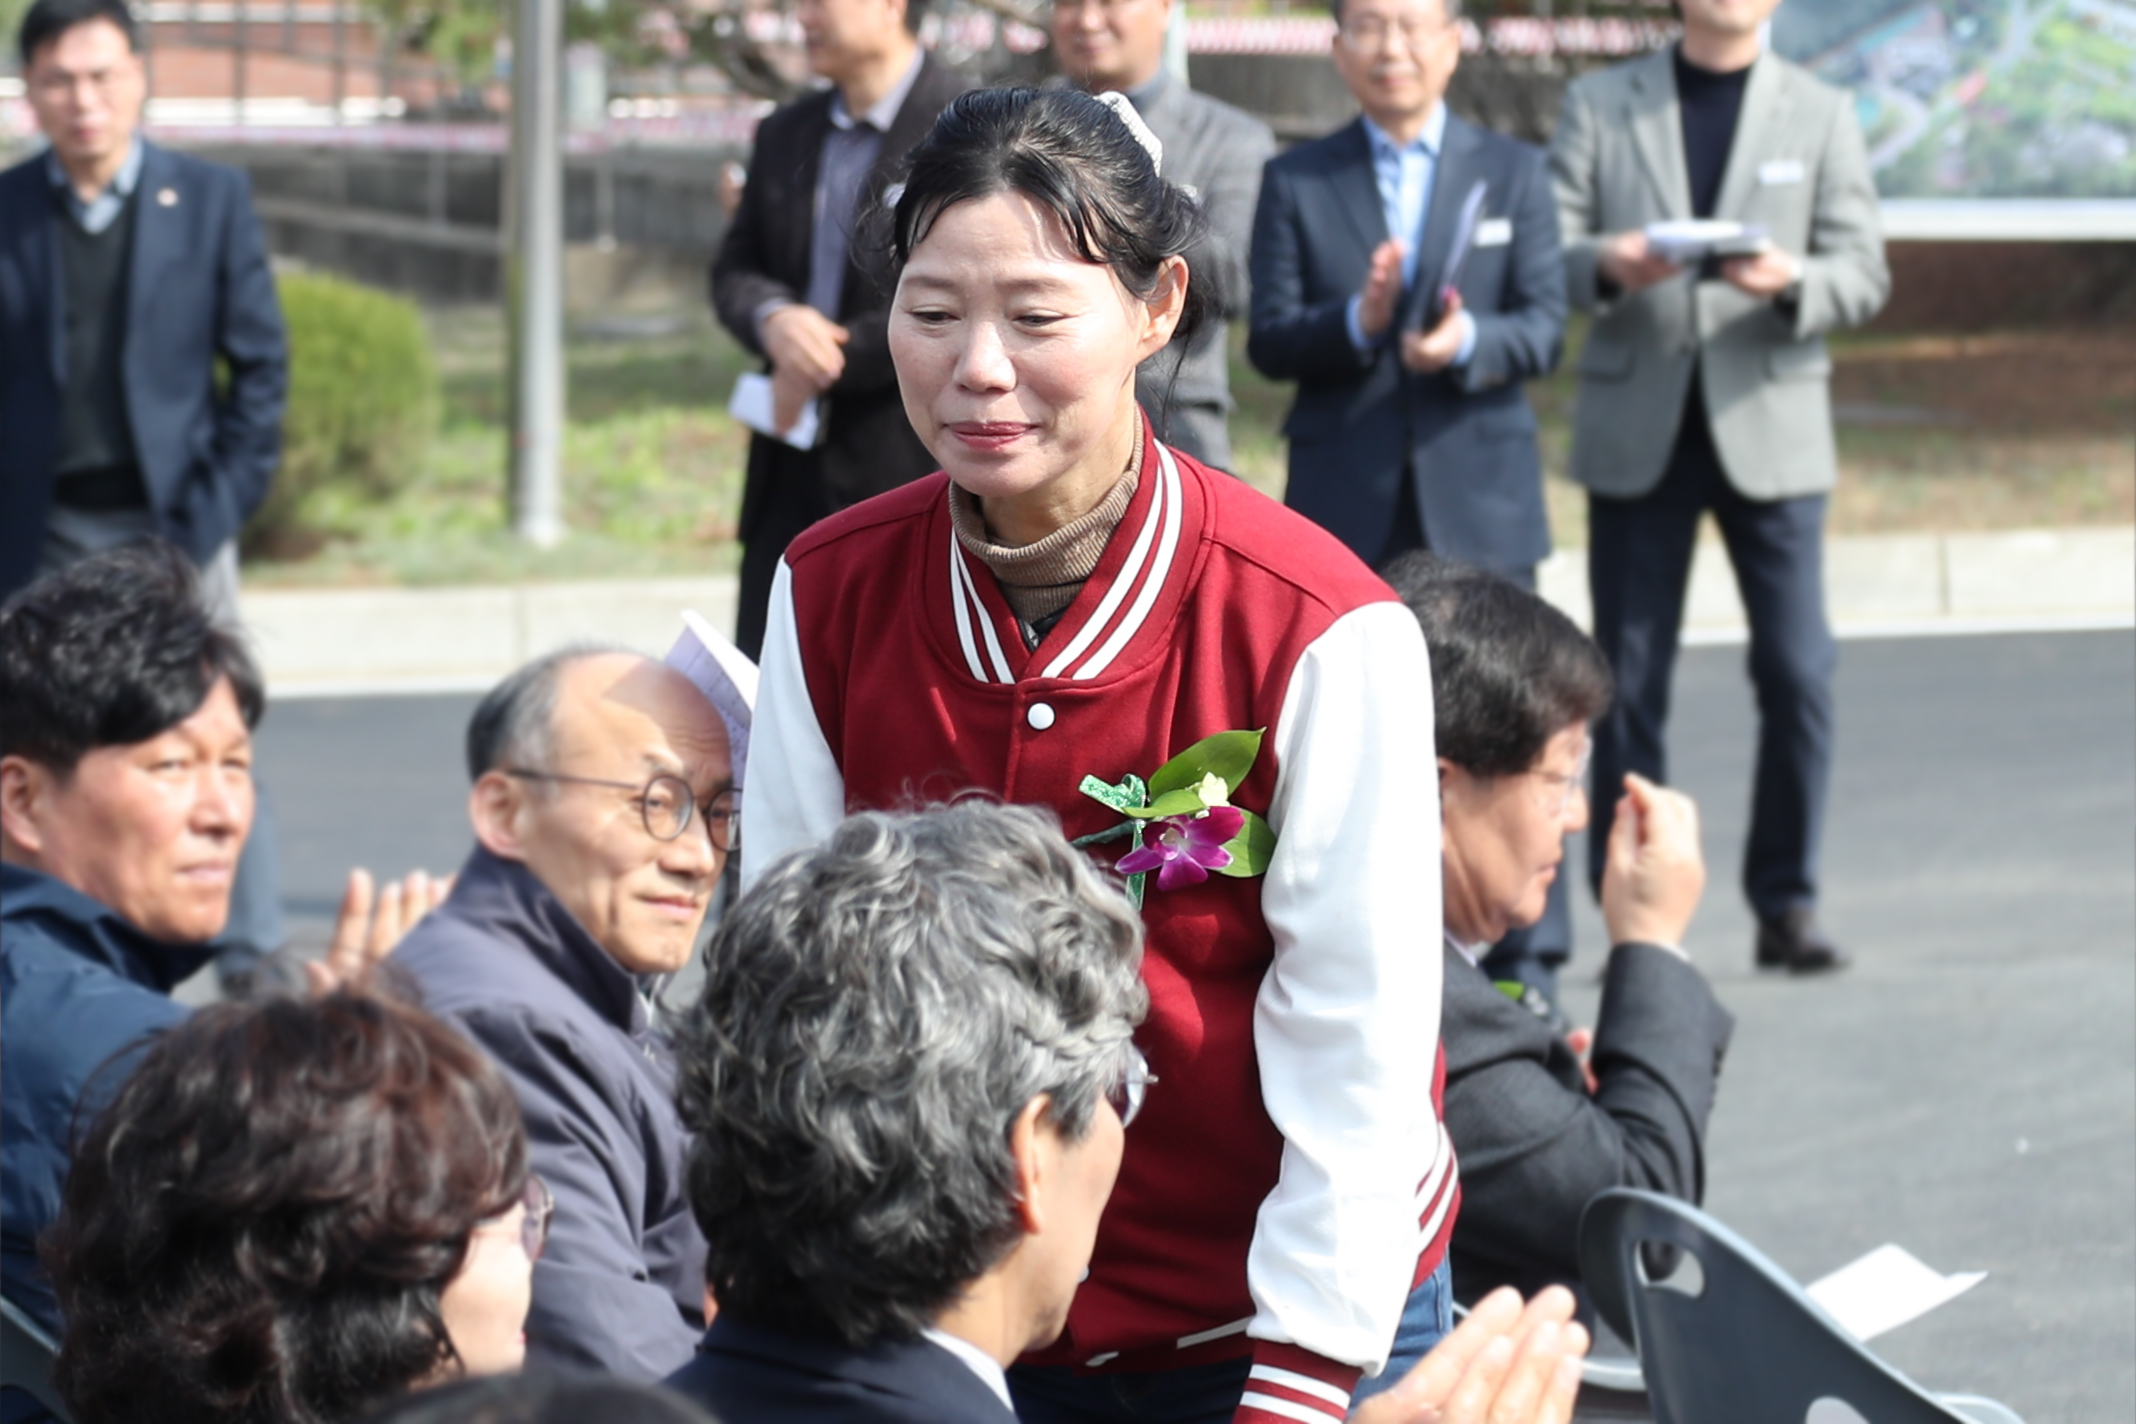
(565, 754)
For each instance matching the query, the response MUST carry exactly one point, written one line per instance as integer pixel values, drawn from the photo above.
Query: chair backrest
(26, 1357)
(1725, 1335)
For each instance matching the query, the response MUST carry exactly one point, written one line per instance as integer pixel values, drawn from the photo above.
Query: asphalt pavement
(1968, 1090)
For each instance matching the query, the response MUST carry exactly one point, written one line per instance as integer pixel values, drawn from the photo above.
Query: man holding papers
(795, 282)
(1703, 387)
(1406, 274)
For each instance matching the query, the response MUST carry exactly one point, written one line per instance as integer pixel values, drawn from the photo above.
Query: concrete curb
(336, 642)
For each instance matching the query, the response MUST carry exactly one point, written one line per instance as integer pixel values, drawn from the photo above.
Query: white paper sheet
(1696, 239)
(1885, 1289)
(724, 675)
(751, 404)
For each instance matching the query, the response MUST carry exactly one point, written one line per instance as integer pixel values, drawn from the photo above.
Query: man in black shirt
(1706, 390)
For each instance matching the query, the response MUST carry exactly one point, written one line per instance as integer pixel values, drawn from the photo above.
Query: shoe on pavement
(1799, 945)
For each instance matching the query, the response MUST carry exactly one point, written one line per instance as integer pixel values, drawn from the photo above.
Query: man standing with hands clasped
(794, 285)
(1706, 389)
(1411, 430)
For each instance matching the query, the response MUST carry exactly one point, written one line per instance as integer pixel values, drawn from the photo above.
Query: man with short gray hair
(908, 1080)
(603, 808)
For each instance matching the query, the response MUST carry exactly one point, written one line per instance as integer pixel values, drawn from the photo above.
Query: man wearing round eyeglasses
(604, 808)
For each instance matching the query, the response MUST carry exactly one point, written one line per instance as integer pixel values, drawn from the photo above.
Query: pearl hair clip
(1152, 145)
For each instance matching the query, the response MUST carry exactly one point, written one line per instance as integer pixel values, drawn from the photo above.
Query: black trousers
(792, 498)
(1638, 564)
(1532, 955)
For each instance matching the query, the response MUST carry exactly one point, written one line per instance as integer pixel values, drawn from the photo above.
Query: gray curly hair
(875, 1014)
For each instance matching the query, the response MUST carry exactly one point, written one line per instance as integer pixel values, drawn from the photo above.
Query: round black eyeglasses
(665, 804)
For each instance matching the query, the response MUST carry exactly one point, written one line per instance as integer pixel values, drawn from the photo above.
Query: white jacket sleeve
(1346, 1025)
(795, 795)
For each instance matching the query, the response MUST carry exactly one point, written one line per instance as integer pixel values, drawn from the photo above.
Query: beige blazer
(1798, 167)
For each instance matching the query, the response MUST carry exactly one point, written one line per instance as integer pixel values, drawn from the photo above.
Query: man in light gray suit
(1706, 390)
(1212, 150)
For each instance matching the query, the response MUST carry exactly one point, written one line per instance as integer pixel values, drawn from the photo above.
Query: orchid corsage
(1181, 823)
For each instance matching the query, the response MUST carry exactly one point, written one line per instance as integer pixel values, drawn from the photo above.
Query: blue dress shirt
(103, 210)
(1404, 174)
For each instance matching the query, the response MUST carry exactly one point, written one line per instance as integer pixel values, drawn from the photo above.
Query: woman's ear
(496, 805)
(1164, 307)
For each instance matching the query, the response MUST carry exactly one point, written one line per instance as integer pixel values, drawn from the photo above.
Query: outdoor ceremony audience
(603, 811)
(903, 1094)
(126, 717)
(910, 1077)
(291, 1211)
(1514, 687)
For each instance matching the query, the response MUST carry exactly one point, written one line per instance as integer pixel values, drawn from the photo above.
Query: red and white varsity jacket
(1288, 1179)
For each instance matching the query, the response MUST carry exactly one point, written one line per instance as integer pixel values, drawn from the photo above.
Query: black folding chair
(1725, 1337)
(26, 1358)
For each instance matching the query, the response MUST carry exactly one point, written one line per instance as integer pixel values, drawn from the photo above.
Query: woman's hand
(1505, 1364)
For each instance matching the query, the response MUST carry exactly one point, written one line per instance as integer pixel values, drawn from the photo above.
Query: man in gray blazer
(1212, 150)
(1706, 390)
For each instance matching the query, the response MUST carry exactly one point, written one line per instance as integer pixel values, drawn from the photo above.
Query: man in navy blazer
(126, 271)
(1410, 429)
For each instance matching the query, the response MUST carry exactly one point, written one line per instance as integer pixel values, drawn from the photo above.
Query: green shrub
(363, 407)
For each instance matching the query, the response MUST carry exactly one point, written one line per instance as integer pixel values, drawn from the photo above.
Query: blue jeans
(1426, 1320)
(1193, 1394)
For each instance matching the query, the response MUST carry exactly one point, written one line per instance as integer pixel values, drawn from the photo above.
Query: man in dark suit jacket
(908, 1079)
(799, 284)
(126, 271)
(1410, 428)
(1538, 1132)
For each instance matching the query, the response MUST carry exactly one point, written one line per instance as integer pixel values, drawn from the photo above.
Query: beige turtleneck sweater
(1041, 579)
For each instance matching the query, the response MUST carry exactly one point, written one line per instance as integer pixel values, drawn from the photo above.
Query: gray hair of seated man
(514, 721)
(875, 1015)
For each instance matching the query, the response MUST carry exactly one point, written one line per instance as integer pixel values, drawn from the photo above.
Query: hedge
(363, 406)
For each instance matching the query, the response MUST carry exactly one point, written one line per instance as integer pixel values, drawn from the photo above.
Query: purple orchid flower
(1184, 849)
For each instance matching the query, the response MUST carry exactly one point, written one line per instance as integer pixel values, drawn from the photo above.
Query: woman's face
(1016, 357)
(1505, 837)
(485, 1306)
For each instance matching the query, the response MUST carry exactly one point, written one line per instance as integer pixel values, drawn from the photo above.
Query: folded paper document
(724, 674)
(1686, 243)
(1885, 1289)
(751, 405)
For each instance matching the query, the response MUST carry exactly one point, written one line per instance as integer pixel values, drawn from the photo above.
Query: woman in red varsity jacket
(1064, 610)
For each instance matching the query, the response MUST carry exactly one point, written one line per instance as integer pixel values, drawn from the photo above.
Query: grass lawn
(1936, 433)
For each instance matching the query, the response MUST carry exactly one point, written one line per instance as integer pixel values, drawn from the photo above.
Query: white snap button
(1040, 716)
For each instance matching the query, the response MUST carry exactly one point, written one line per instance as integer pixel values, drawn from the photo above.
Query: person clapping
(1514, 686)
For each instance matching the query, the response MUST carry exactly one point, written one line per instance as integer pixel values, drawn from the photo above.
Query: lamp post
(534, 272)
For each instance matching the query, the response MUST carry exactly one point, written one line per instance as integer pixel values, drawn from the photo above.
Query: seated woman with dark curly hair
(290, 1212)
